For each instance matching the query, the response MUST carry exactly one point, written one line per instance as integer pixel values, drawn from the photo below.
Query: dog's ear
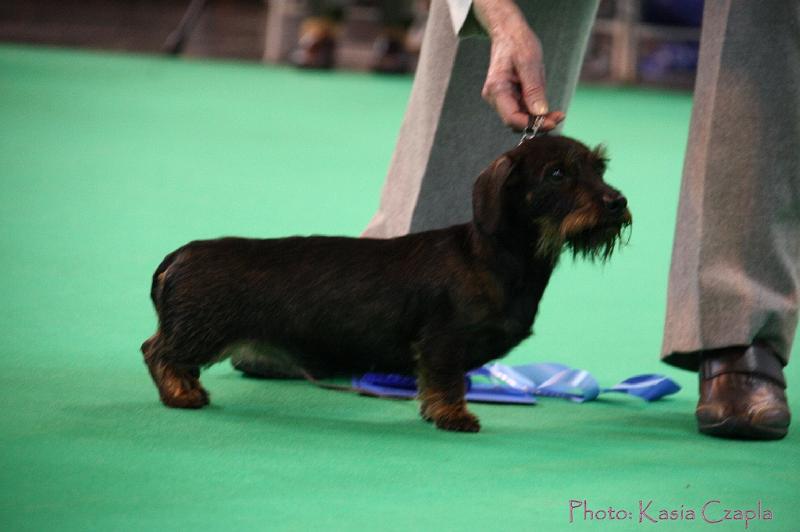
(487, 194)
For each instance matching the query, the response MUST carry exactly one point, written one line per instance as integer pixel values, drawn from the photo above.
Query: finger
(551, 120)
(507, 106)
(532, 84)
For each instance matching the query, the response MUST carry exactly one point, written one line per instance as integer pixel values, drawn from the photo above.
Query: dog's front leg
(441, 381)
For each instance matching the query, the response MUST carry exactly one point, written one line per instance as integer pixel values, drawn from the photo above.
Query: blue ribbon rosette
(501, 383)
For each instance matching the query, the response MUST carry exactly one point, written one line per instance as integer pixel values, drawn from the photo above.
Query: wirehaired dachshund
(435, 304)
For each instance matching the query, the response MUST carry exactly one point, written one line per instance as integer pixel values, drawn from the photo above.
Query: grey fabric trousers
(449, 134)
(735, 271)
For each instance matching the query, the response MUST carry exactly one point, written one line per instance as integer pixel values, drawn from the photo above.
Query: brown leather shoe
(742, 394)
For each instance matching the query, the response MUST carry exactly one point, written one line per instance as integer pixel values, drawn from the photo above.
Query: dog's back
(336, 304)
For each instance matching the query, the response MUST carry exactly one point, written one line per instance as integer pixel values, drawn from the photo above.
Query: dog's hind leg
(441, 391)
(178, 384)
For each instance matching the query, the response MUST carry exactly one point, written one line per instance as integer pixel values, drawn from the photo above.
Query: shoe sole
(732, 428)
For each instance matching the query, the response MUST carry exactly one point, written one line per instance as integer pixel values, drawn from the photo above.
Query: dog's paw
(424, 413)
(192, 398)
(462, 422)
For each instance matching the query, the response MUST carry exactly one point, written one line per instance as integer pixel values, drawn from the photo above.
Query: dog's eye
(555, 174)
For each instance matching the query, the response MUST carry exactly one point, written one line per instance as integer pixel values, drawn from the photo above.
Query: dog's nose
(615, 203)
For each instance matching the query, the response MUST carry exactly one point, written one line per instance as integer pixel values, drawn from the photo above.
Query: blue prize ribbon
(501, 383)
(483, 386)
(650, 387)
(554, 380)
(387, 384)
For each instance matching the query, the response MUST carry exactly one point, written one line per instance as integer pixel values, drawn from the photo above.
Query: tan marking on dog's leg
(178, 387)
(442, 400)
(447, 415)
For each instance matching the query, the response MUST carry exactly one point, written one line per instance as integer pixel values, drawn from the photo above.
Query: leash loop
(534, 124)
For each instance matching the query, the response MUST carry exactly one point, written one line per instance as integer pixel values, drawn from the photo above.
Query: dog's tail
(157, 287)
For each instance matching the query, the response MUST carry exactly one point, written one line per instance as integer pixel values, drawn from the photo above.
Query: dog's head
(549, 192)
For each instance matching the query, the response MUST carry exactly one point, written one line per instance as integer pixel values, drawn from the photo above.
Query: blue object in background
(669, 58)
(673, 12)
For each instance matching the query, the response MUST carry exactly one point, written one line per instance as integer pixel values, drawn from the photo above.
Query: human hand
(515, 82)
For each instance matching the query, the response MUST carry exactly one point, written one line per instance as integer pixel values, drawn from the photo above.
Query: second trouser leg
(449, 134)
(735, 272)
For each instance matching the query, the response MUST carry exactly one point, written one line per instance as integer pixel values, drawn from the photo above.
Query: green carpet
(107, 162)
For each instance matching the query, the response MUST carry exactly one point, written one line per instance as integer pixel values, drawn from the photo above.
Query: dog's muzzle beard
(585, 233)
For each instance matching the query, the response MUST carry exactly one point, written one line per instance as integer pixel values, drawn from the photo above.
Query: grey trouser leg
(449, 134)
(736, 260)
